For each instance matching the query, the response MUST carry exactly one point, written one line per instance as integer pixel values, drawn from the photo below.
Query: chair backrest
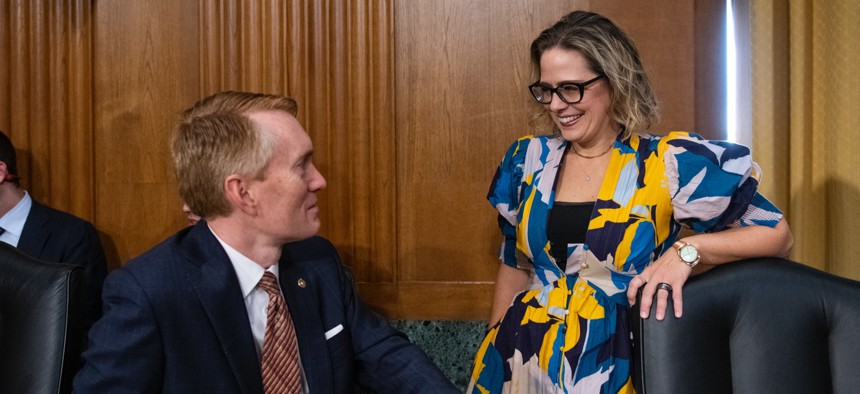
(764, 325)
(40, 323)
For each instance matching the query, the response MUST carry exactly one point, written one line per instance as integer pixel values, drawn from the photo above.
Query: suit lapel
(213, 278)
(35, 233)
(305, 312)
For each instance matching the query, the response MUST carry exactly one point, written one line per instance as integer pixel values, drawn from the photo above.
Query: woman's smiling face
(586, 122)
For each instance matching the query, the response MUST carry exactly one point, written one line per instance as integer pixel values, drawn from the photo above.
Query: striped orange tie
(280, 366)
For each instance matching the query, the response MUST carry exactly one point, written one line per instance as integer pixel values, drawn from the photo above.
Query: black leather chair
(40, 323)
(758, 326)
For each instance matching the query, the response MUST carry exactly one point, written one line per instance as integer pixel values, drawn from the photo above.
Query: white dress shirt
(14, 220)
(256, 299)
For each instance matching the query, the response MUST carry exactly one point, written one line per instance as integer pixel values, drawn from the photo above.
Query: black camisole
(567, 224)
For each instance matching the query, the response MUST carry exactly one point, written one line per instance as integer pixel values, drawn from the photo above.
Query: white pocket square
(334, 331)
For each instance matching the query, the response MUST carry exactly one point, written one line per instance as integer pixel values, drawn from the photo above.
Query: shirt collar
(248, 271)
(14, 220)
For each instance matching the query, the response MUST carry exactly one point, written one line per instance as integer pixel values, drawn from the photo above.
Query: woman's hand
(714, 248)
(668, 269)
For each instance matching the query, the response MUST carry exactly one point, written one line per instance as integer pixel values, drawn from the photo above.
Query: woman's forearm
(510, 281)
(742, 242)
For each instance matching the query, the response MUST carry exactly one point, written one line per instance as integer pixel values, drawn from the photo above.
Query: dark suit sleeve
(86, 250)
(386, 361)
(125, 353)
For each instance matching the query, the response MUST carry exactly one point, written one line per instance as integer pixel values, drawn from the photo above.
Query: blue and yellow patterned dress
(569, 334)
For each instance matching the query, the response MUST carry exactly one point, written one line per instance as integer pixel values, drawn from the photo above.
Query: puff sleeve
(504, 196)
(713, 184)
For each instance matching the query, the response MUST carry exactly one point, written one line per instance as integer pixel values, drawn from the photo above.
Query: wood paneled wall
(336, 59)
(410, 105)
(146, 72)
(46, 98)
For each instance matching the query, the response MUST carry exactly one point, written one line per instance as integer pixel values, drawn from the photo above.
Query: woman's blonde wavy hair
(610, 52)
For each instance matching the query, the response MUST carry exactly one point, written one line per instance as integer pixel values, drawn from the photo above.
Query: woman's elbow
(785, 240)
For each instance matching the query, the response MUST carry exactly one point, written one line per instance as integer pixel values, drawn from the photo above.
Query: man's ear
(4, 173)
(237, 194)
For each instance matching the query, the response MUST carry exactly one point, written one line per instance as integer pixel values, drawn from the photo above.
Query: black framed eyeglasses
(569, 92)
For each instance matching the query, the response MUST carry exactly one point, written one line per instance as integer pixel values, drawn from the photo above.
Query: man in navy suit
(48, 234)
(188, 317)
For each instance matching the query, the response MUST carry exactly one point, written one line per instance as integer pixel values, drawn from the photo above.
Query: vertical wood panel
(46, 99)
(461, 71)
(334, 57)
(664, 33)
(709, 50)
(146, 62)
(5, 64)
(80, 110)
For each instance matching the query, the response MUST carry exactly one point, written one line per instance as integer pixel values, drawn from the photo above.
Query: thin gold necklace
(573, 146)
(587, 175)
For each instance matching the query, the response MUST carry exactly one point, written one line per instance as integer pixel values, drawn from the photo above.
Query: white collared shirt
(256, 299)
(14, 220)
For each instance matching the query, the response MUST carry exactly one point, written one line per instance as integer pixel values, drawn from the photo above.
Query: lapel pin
(302, 283)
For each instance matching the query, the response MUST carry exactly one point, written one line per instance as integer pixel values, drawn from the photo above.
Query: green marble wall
(450, 344)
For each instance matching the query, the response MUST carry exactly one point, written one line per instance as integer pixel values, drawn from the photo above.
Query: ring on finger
(664, 286)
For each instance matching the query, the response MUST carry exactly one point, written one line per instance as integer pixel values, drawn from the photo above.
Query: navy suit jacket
(59, 237)
(175, 321)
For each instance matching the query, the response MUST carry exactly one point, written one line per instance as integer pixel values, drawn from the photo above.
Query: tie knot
(269, 283)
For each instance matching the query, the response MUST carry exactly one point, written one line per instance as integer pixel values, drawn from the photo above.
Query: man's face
(286, 197)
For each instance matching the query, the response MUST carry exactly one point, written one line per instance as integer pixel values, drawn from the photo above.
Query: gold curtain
(805, 115)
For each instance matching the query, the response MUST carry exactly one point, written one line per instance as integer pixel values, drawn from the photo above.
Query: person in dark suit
(193, 314)
(48, 234)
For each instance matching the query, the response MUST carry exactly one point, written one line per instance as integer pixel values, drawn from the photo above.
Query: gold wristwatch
(688, 253)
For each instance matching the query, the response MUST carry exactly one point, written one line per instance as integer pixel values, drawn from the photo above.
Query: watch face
(689, 253)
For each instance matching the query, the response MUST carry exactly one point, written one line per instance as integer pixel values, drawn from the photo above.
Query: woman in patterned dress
(591, 213)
